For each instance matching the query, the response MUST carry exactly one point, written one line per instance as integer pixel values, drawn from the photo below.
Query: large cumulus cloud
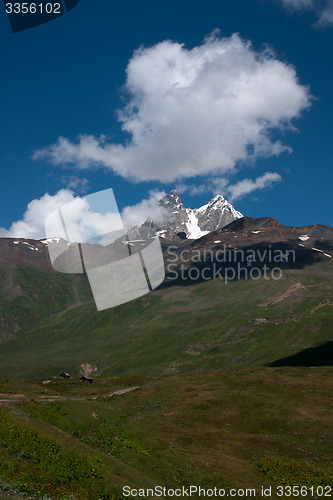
(194, 112)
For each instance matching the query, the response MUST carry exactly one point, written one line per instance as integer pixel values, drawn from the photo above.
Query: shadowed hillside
(321, 355)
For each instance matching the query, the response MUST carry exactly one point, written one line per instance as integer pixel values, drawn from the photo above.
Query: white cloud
(246, 186)
(192, 189)
(220, 185)
(325, 15)
(146, 209)
(83, 219)
(194, 112)
(79, 185)
(322, 8)
(81, 223)
(32, 224)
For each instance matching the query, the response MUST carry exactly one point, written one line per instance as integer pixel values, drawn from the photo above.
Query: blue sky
(68, 77)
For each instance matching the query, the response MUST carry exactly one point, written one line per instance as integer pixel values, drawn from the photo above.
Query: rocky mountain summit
(187, 222)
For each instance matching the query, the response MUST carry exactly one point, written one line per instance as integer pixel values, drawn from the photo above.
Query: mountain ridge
(239, 232)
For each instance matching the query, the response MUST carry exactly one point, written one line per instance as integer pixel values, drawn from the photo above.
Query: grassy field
(240, 428)
(209, 325)
(203, 407)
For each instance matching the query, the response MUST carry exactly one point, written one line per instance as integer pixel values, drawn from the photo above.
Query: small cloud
(247, 186)
(322, 8)
(77, 184)
(325, 15)
(146, 209)
(192, 189)
(220, 185)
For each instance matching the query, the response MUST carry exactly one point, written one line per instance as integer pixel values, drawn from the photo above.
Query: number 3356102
(33, 8)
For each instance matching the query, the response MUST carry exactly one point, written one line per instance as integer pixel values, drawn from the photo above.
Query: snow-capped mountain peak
(191, 223)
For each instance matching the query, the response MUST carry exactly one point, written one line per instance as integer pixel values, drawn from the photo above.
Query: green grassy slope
(209, 325)
(29, 295)
(226, 429)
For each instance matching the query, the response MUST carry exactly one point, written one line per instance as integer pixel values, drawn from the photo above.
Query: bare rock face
(24, 252)
(216, 214)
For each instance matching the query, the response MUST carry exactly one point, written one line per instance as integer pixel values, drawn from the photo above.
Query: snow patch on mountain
(193, 230)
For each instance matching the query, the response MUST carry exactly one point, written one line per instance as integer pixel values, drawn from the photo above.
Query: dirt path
(123, 391)
(13, 398)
